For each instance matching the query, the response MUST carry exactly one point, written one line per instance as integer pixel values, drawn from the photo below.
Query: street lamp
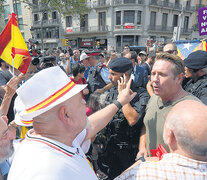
(181, 20)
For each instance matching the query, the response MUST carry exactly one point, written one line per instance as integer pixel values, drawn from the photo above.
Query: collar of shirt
(67, 150)
(184, 161)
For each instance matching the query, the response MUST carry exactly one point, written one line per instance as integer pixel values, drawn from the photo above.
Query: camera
(35, 61)
(48, 61)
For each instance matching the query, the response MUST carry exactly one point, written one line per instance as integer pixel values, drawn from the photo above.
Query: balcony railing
(50, 22)
(89, 29)
(186, 31)
(189, 8)
(125, 2)
(160, 29)
(101, 4)
(195, 27)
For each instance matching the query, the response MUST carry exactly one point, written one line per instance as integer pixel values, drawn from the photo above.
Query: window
(166, 2)
(139, 17)
(45, 16)
(118, 17)
(102, 20)
(54, 15)
(129, 1)
(128, 40)
(153, 19)
(20, 22)
(186, 22)
(188, 3)
(23, 35)
(68, 21)
(18, 9)
(164, 20)
(177, 3)
(35, 2)
(175, 20)
(129, 16)
(84, 23)
(6, 11)
(36, 17)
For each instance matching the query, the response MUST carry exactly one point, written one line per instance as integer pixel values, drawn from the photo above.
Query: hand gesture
(125, 94)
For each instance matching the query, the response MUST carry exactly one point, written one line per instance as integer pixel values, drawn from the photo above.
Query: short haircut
(133, 55)
(77, 68)
(178, 65)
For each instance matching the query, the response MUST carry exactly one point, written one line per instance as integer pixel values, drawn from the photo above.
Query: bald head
(187, 121)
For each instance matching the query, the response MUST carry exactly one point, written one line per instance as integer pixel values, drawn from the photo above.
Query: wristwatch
(118, 104)
(140, 158)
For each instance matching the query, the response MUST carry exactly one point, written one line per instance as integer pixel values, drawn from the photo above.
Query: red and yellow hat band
(27, 122)
(52, 98)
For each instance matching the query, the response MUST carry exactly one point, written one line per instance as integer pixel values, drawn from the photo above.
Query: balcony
(91, 29)
(128, 2)
(47, 23)
(101, 4)
(190, 8)
(186, 31)
(155, 3)
(160, 29)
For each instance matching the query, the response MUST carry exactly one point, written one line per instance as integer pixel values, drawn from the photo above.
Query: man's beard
(9, 149)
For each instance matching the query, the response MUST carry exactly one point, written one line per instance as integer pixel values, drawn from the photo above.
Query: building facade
(24, 16)
(111, 24)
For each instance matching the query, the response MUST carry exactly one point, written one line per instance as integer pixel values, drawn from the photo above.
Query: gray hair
(184, 137)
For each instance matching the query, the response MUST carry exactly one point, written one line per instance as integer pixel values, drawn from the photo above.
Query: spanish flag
(13, 46)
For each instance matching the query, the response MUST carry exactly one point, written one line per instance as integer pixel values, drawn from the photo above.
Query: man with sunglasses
(170, 48)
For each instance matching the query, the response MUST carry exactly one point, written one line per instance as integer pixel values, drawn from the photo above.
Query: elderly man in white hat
(54, 149)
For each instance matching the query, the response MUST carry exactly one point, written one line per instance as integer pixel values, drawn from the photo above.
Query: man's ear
(63, 114)
(171, 140)
(180, 78)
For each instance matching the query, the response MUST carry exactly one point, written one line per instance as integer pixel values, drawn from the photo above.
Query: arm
(129, 112)
(106, 88)
(10, 89)
(101, 118)
(68, 68)
(142, 143)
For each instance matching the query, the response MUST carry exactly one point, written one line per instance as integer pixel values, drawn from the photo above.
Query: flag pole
(13, 67)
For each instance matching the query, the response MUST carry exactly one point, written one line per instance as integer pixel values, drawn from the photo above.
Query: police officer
(124, 129)
(97, 75)
(196, 71)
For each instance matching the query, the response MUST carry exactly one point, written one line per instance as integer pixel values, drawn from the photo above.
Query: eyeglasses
(170, 51)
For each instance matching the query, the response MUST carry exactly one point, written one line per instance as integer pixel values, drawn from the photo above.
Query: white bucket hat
(19, 107)
(45, 90)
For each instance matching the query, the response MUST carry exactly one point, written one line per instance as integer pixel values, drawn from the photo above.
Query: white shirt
(40, 158)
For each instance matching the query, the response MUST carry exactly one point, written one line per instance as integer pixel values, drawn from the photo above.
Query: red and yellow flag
(12, 45)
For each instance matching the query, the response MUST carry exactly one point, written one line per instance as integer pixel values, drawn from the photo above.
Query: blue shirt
(140, 76)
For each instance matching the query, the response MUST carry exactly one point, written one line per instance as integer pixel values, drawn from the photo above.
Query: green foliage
(62, 6)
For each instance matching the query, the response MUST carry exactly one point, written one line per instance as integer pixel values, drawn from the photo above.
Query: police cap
(121, 65)
(196, 60)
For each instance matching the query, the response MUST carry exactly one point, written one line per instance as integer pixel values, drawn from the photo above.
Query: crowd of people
(105, 115)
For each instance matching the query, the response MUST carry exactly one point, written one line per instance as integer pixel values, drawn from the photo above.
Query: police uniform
(196, 61)
(123, 139)
(97, 77)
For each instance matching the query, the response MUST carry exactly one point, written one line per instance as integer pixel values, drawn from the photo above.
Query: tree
(62, 6)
